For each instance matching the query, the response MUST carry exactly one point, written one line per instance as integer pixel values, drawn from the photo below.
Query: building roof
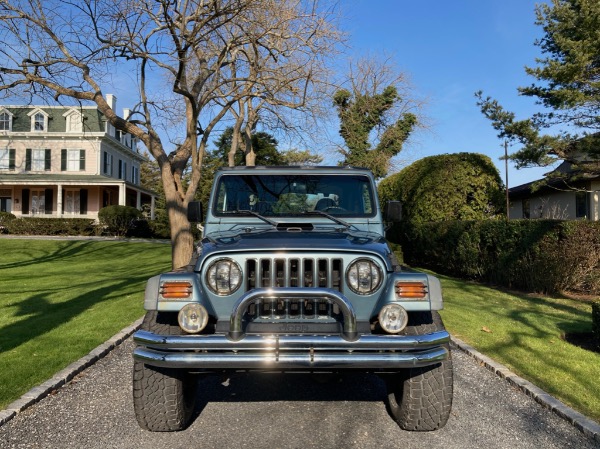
(62, 178)
(564, 177)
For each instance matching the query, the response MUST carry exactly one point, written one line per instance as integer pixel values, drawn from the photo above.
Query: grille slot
(294, 272)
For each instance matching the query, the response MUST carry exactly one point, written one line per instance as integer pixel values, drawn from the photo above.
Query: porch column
(59, 201)
(138, 201)
(122, 196)
(152, 206)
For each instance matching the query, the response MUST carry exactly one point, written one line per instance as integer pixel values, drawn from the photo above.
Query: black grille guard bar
(349, 324)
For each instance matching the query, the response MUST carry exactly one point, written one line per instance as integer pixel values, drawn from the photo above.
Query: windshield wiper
(251, 212)
(331, 217)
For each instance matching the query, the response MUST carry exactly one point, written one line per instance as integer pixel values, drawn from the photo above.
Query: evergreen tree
(567, 86)
(360, 113)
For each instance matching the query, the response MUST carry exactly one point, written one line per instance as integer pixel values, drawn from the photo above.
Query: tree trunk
(249, 150)
(182, 240)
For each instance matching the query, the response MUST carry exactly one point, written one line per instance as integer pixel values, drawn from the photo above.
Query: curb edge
(587, 426)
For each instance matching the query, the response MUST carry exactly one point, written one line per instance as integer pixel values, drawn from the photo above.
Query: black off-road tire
(163, 398)
(420, 399)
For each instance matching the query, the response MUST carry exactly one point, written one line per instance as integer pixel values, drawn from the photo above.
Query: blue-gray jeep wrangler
(293, 274)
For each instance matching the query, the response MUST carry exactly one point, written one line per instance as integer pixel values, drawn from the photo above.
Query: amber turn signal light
(411, 290)
(176, 290)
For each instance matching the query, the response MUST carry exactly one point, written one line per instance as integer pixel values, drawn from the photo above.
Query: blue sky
(450, 50)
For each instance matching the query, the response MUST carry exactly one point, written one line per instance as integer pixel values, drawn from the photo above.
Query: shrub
(50, 226)
(5, 217)
(461, 186)
(533, 255)
(118, 220)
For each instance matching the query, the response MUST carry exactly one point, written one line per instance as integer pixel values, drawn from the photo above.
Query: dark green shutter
(25, 199)
(63, 160)
(83, 201)
(11, 159)
(48, 198)
(47, 159)
(28, 159)
(82, 160)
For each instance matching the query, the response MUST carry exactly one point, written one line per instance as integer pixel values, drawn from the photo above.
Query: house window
(525, 209)
(39, 122)
(135, 175)
(38, 159)
(5, 121)
(5, 200)
(74, 122)
(38, 202)
(122, 170)
(581, 205)
(108, 164)
(7, 159)
(72, 160)
(72, 202)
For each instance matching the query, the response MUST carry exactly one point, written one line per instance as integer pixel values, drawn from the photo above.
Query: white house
(574, 199)
(62, 162)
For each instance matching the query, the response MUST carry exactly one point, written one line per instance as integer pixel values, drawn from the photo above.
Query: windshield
(294, 194)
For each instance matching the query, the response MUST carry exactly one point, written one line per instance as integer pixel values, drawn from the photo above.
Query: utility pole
(506, 178)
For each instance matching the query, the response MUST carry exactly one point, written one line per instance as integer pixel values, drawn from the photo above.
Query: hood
(271, 240)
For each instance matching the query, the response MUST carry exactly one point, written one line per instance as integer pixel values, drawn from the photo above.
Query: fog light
(393, 318)
(193, 318)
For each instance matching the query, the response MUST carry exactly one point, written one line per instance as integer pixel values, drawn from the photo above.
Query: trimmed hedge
(533, 255)
(50, 226)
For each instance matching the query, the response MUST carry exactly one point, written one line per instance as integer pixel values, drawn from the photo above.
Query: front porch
(71, 198)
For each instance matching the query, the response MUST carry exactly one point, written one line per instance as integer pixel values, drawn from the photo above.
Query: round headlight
(363, 276)
(193, 318)
(393, 318)
(223, 277)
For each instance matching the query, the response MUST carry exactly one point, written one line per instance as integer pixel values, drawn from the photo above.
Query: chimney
(112, 101)
(126, 113)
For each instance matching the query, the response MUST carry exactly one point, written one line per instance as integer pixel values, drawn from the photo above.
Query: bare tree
(293, 78)
(199, 48)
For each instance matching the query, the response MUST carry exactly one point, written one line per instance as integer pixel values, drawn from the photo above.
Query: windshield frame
(353, 190)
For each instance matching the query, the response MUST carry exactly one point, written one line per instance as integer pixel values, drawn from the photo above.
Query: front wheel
(163, 398)
(420, 399)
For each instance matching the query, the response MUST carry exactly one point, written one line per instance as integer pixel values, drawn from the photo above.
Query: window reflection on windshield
(293, 194)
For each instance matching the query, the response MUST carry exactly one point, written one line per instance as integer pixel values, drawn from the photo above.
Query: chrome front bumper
(239, 351)
(290, 352)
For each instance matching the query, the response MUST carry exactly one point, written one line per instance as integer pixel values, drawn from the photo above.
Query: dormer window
(39, 121)
(5, 120)
(74, 121)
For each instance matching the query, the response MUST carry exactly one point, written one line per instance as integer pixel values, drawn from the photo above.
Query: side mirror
(194, 212)
(393, 211)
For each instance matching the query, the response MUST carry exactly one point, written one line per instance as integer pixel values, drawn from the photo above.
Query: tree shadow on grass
(43, 316)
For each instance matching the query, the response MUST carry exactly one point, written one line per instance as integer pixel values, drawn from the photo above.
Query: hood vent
(295, 227)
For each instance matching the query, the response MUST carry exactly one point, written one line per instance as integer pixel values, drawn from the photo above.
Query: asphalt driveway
(294, 411)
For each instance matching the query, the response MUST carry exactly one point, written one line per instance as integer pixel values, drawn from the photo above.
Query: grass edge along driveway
(59, 299)
(524, 332)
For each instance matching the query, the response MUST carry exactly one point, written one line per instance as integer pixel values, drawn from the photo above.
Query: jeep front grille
(294, 272)
(292, 309)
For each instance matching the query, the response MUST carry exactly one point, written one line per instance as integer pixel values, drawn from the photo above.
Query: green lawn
(61, 299)
(524, 332)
